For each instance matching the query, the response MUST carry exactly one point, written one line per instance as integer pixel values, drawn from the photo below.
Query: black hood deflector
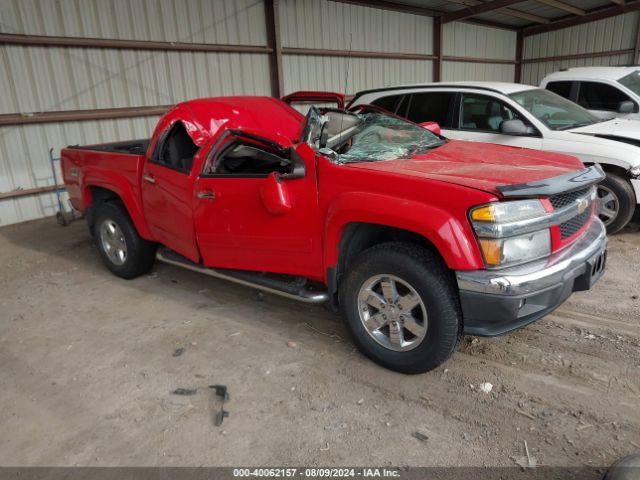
(566, 183)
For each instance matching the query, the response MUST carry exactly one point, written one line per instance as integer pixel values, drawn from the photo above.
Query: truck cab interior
(243, 159)
(176, 150)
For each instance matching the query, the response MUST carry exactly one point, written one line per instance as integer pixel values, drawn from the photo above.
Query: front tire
(616, 202)
(122, 249)
(401, 307)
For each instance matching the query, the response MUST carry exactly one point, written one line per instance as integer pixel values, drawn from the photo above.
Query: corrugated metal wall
(310, 72)
(200, 21)
(41, 79)
(38, 79)
(467, 40)
(611, 34)
(340, 26)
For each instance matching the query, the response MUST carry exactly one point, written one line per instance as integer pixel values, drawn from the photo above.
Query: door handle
(149, 178)
(206, 194)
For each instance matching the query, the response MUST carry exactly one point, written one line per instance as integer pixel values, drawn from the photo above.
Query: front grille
(564, 199)
(570, 227)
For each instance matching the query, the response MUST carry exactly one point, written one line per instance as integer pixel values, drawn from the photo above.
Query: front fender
(120, 186)
(452, 237)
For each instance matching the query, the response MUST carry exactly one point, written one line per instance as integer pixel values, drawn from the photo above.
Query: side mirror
(626, 107)
(299, 170)
(515, 127)
(432, 126)
(275, 194)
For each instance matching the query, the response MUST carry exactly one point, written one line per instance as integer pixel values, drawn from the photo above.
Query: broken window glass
(367, 137)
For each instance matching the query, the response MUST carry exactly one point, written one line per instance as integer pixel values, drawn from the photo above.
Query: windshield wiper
(575, 125)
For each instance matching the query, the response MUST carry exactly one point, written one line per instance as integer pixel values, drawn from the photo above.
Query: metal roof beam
(506, 11)
(524, 15)
(394, 7)
(592, 16)
(565, 7)
(468, 12)
(415, 10)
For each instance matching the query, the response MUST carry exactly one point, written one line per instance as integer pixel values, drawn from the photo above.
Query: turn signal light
(491, 251)
(483, 214)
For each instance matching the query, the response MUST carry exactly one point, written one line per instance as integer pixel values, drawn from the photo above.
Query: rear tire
(616, 202)
(411, 339)
(122, 249)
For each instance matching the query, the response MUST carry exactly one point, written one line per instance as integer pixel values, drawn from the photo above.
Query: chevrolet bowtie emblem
(582, 206)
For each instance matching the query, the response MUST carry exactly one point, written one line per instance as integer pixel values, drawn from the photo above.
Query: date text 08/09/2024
(316, 472)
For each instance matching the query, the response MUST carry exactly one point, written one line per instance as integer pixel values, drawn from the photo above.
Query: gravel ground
(88, 368)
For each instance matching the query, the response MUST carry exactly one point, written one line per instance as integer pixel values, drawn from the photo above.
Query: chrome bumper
(496, 301)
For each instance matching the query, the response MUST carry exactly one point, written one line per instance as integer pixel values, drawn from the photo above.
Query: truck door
(167, 188)
(256, 207)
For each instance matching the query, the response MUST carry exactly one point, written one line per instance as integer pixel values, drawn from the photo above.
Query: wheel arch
(623, 173)
(358, 236)
(96, 193)
(613, 168)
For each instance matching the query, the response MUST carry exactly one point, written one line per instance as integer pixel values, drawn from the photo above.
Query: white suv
(530, 117)
(607, 92)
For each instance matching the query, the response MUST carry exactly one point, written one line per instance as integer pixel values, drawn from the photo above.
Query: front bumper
(498, 301)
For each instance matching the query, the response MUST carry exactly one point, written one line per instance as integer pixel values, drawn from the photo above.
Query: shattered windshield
(366, 137)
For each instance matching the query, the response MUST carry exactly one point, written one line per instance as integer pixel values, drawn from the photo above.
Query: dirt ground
(88, 367)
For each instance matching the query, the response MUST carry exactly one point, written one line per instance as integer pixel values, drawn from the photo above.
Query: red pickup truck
(416, 239)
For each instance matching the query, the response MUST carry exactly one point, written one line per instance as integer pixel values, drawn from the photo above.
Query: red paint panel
(433, 209)
(478, 165)
(237, 230)
(117, 172)
(204, 118)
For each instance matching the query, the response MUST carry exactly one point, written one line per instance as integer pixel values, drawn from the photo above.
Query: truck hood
(482, 166)
(620, 129)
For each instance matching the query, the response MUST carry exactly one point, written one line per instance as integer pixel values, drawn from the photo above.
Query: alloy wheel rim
(392, 312)
(113, 242)
(608, 205)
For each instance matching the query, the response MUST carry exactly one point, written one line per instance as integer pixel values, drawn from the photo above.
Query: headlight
(635, 171)
(500, 252)
(504, 232)
(508, 211)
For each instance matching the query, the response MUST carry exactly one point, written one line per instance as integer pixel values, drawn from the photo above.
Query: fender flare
(454, 241)
(122, 188)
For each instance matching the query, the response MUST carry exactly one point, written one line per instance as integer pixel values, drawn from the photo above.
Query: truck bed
(116, 166)
(131, 147)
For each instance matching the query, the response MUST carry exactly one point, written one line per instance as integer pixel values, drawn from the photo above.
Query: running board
(257, 280)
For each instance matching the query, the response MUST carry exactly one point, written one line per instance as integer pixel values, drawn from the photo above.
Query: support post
(636, 50)
(519, 54)
(272, 18)
(437, 49)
